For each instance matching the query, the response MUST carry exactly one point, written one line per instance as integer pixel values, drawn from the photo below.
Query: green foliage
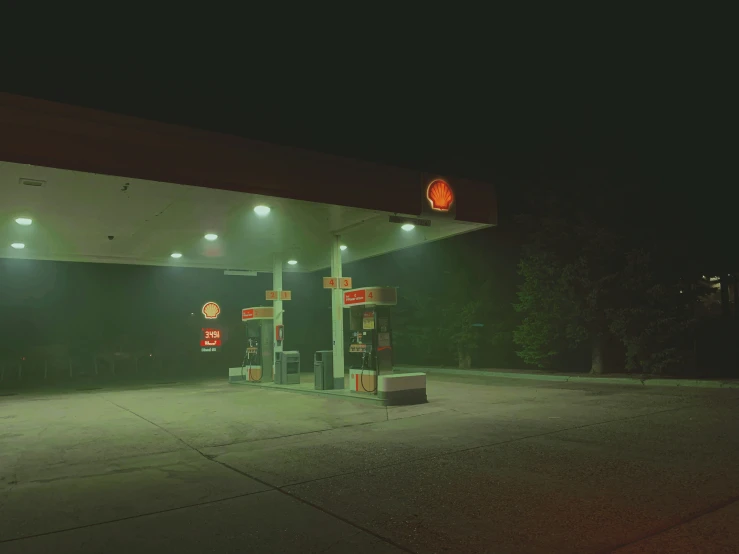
(416, 328)
(567, 272)
(439, 327)
(654, 318)
(581, 283)
(465, 339)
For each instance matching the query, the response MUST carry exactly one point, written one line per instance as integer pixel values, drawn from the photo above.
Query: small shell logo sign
(211, 310)
(440, 195)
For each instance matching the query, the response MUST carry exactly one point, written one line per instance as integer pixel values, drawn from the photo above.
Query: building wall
(53, 311)
(710, 305)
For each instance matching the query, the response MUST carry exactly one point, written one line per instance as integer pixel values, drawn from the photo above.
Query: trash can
(323, 369)
(287, 368)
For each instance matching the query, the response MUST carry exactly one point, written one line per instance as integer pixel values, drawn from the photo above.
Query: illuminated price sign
(211, 338)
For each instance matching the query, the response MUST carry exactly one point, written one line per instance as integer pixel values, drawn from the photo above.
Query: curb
(656, 382)
(609, 380)
(286, 388)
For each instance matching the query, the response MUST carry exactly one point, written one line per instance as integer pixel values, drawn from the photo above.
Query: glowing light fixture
(18, 245)
(261, 210)
(408, 227)
(342, 247)
(211, 236)
(176, 255)
(24, 221)
(292, 262)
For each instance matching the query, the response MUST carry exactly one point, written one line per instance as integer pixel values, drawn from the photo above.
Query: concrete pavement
(489, 465)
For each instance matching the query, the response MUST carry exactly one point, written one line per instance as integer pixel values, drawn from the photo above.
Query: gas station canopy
(106, 188)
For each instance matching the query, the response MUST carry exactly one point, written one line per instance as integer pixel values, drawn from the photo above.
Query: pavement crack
(170, 433)
(283, 490)
(137, 516)
(268, 485)
(674, 524)
(297, 498)
(302, 433)
(12, 484)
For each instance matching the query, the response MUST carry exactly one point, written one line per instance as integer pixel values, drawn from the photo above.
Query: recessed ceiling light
(211, 236)
(176, 255)
(342, 247)
(18, 245)
(261, 210)
(24, 221)
(408, 227)
(292, 262)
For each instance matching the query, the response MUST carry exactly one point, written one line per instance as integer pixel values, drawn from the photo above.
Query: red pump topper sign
(371, 296)
(260, 312)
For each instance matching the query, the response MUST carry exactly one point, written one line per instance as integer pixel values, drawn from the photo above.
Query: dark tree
(442, 328)
(585, 285)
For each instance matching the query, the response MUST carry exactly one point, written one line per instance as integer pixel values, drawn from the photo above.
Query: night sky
(630, 138)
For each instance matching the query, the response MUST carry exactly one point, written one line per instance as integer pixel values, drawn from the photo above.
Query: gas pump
(370, 335)
(258, 356)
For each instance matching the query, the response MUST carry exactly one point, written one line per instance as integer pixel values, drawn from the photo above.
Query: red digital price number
(209, 334)
(211, 338)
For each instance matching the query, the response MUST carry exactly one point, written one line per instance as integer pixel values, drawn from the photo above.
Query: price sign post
(210, 337)
(277, 296)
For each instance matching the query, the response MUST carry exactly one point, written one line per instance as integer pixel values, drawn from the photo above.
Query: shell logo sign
(440, 195)
(211, 310)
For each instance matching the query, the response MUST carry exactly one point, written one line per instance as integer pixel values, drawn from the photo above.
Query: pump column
(337, 315)
(277, 304)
